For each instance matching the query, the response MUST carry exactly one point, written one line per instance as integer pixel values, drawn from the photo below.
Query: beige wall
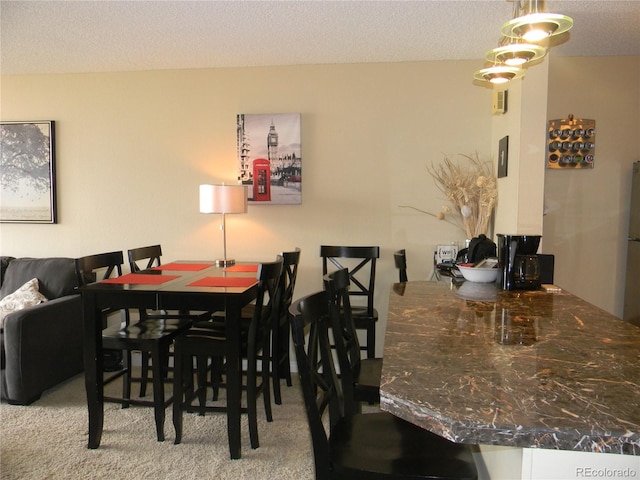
(132, 149)
(588, 210)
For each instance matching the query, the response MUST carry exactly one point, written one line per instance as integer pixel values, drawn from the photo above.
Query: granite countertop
(479, 365)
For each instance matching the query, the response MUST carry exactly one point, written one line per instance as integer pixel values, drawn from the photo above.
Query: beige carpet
(48, 440)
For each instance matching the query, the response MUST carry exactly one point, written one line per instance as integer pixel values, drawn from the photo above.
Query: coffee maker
(519, 265)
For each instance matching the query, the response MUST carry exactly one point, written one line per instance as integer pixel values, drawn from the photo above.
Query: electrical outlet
(446, 254)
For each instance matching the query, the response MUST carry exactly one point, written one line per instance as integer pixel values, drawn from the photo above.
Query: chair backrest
(86, 267)
(362, 275)
(320, 388)
(345, 338)
(151, 254)
(87, 272)
(400, 259)
(288, 279)
(266, 307)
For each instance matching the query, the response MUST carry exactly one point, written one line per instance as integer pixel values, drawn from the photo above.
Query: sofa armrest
(42, 347)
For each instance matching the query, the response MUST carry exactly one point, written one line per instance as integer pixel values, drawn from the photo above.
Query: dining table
(182, 285)
(545, 377)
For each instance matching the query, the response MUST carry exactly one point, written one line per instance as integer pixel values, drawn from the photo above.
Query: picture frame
(27, 172)
(503, 157)
(269, 157)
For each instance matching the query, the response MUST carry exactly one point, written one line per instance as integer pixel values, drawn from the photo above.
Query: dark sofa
(40, 346)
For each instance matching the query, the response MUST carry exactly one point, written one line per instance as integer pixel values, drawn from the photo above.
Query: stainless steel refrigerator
(632, 284)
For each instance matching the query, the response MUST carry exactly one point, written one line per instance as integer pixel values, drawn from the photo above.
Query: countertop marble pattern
(530, 369)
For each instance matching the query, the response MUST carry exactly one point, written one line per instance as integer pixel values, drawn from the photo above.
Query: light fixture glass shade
(223, 199)
(498, 74)
(516, 54)
(537, 26)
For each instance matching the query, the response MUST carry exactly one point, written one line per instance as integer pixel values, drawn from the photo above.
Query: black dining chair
(150, 336)
(281, 328)
(149, 256)
(363, 375)
(361, 262)
(280, 332)
(400, 259)
(109, 265)
(361, 446)
(145, 258)
(206, 342)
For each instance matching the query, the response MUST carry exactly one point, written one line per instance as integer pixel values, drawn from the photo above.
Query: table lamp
(223, 199)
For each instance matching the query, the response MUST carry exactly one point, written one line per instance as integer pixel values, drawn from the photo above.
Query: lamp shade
(223, 199)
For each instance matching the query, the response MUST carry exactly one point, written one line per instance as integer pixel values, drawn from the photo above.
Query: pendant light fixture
(498, 74)
(536, 24)
(530, 23)
(515, 54)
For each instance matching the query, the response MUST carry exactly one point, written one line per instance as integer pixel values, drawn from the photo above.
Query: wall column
(521, 192)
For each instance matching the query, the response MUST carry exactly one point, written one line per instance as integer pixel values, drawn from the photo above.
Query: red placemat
(187, 267)
(223, 282)
(141, 279)
(242, 268)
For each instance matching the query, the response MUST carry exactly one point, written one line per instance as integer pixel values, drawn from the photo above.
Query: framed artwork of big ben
(269, 157)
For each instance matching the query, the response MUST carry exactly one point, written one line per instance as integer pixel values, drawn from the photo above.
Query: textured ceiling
(98, 36)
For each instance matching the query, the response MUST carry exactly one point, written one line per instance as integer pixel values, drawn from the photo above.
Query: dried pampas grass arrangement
(471, 187)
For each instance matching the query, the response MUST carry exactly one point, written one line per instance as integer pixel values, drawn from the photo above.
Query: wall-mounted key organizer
(572, 143)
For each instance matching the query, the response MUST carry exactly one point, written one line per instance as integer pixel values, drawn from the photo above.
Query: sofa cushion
(27, 295)
(4, 263)
(57, 276)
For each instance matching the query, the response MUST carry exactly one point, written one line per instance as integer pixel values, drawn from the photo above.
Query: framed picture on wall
(269, 158)
(27, 172)
(503, 157)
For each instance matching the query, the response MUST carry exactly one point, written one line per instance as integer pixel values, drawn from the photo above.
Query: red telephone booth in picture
(261, 180)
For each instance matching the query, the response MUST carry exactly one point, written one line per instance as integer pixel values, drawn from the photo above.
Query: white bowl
(480, 275)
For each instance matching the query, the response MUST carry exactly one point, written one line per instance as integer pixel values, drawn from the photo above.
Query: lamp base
(225, 263)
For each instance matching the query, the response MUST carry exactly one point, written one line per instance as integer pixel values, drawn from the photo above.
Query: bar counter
(528, 369)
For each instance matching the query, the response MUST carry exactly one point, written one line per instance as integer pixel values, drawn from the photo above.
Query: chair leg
(217, 364)
(275, 366)
(252, 413)
(158, 392)
(277, 394)
(285, 367)
(178, 395)
(280, 364)
(126, 378)
(266, 380)
(371, 340)
(164, 359)
(201, 372)
(144, 373)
